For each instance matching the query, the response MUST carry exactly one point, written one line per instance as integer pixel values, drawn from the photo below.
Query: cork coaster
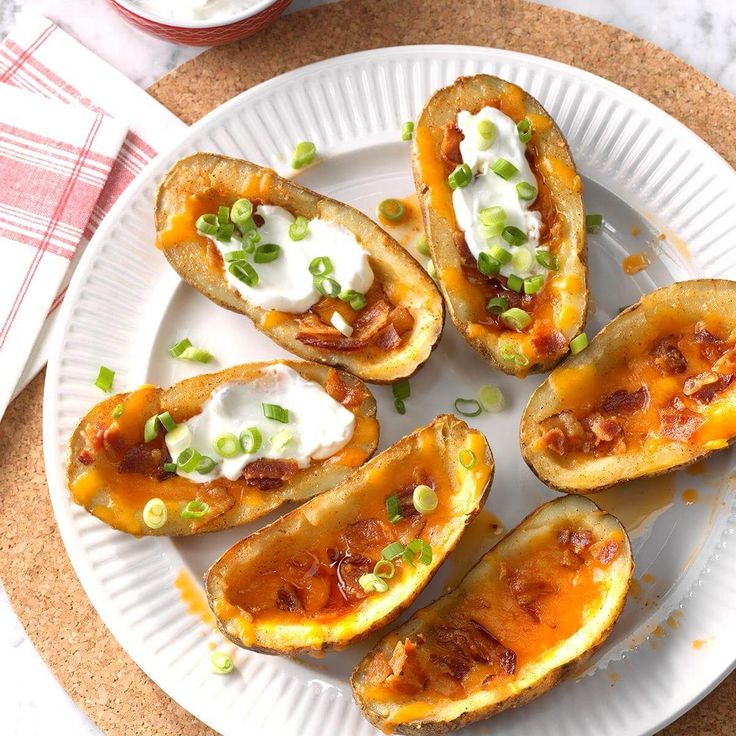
(37, 574)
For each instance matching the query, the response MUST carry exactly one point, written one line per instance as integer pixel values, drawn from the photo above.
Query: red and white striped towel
(39, 58)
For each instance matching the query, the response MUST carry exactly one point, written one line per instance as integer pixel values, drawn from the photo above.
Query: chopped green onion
(118, 411)
(372, 583)
(548, 260)
(275, 412)
(517, 319)
(513, 236)
(533, 284)
(267, 252)
(400, 406)
(401, 389)
(234, 255)
(299, 228)
(391, 209)
(155, 513)
(491, 398)
(521, 260)
(486, 134)
(175, 351)
(197, 355)
(423, 246)
(207, 225)
(195, 510)
(493, 220)
(467, 458)
(514, 283)
(206, 465)
(167, 421)
(341, 325)
(393, 510)
(251, 238)
(524, 129)
(512, 354)
(225, 233)
(188, 461)
(424, 499)
(578, 343)
(251, 440)
(326, 286)
(221, 663)
(150, 428)
(487, 265)
(281, 439)
(431, 269)
(499, 254)
(223, 215)
(407, 130)
(304, 154)
(460, 177)
(593, 223)
(241, 213)
(384, 569)
(497, 305)
(105, 377)
(392, 551)
(170, 467)
(527, 192)
(244, 272)
(178, 439)
(321, 266)
(356, 300)
(226, 445)
(505, 169)
(417, 547)
(467, 407)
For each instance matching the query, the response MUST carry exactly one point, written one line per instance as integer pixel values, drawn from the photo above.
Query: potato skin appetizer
(384, 341)
(652, 393)
(113, 472)
(349, 561)
(532, 611)
(485, 298)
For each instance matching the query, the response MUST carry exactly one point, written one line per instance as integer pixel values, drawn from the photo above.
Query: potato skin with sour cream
(101, 445)
(560, 308)
(223, 180)
(351, 519)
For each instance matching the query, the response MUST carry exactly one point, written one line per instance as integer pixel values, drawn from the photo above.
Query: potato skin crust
(402, 277)
(470, 93)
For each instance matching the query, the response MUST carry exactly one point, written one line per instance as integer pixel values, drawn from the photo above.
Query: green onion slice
(175, 351)
(326, 286)
(223, 215)
(467, 407)
(221, 663)
(578, 343)
(392, 551)
(393, 510)
(513, 236)
(167, 421)
(488, 265)
(195, 510)
(197, 355)
(304, 154)
(226, 445)
(460, 177)
(533, 284)
(206, 465)
(497, 305)
(407, 130)
(188, 460)
(593, 223)
(467, 458)
(155, 513)
(251, 440)
(391, 209)
(178, 439)
(244, 272)
(499, 254)
(356, 300)
(170, 467)
(150, 428)
(423, 246)
(400, 406)
(524, 129)
(547, 260)
(321, 266)
(512, 354)
(118, 411)
(491, 398)
(224, 233)
(207, 224)
(401, 389)
(241, 213)
(251, 238)
(234, 255)
(527, 192)
(299, 229)
(493, 220)
(486, 134)
(105, 377)
(267, 252)
(384, 569)
(521, 260)
(517, 319)
(275, 412)
(281, 439)
(514, 283)
(425, 499)
(505, 169)
(372, 583)
(417, 547)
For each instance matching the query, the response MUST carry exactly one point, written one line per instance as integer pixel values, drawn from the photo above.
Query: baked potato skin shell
(471, 93)
(391, 264)
(569, 506)
(627, 331)
(187, 397)
(451, 431)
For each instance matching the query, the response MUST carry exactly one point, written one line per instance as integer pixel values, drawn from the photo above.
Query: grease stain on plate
(194, 598)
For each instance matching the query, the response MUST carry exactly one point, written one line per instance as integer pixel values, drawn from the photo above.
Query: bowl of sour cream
(201, 22)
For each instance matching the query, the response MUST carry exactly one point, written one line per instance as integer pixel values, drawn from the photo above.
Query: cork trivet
(36, 572)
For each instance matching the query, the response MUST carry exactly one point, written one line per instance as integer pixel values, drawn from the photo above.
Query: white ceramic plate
(642, 169)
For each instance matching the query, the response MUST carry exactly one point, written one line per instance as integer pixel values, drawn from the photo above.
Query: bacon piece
(706, 385)
(348, 394)
(608, 552)
(86, 457)
(678, 424)
(668, 359)
(401, 319)
(407, 675)
(464, 643)
(388, 339)
(711, 347)
(145, 459)
(549, 342)
(556, 440)
(570, 559)
(349, 569)
(508, 662)
(380, 669)
(528, 593)
(450, 146)
(605, 429)
(113, 441)
(287, 599)
(406, 501)
(268, 474)
(625, 402)
(581, 538)
(366, 536)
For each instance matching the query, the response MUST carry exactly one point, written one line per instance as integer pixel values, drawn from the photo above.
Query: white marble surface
(703, 32)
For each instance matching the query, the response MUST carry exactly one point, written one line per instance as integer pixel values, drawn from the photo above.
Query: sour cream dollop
(488, 189)
(189, 10)
(286, 284)
(318, 425)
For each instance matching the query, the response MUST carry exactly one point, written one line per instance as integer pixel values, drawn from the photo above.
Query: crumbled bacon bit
(401, 319)
(625, 402)
(86, 457)
(711, 347)
(406, 675)
(570, 559)
(528, 593)
(678, 424)
(581, 538)
(364, 536)
(350, 395)
(556, 440)
(145, 459)
(450, 146)
(608, 552)
(269, 474)
(458, 237)
(349, 570)
(706, 386)
(605, 429)
(388, 339)
(508, 662)
(668, 359)
(549, 342)
(287, 599)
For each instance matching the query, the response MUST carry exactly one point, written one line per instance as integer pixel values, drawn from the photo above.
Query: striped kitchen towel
(40, 60)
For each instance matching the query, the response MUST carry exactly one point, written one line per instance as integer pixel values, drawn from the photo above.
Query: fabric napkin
(38, 58)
